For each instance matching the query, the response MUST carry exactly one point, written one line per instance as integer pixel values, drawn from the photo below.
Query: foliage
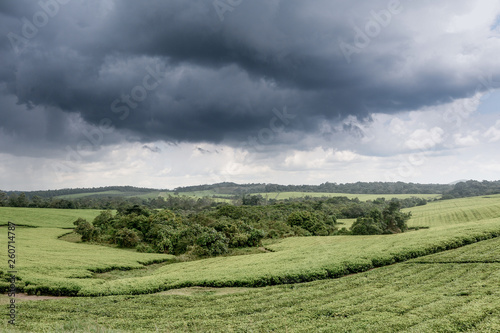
(86, 230)
(126, 238)
(166, 232)
(473, 188)
(389, 220)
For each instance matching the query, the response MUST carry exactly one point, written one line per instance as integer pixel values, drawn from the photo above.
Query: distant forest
(351, 188)
(113, 197)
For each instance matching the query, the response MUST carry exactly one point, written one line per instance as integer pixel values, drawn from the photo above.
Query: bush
(127, 238)
(86, 230)
(145, 248)
(212, 243)
(366, 226)
(390, 220)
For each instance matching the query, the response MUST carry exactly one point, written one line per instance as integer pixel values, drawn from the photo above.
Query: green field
(456, 211)
(297, 259)
(45, 217)
(201, 194)
(269, 195)
(147, 195)
(455, 290)
(362, 197)
(415, 296)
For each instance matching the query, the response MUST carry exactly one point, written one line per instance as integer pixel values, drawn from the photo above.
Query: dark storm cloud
(174, 71)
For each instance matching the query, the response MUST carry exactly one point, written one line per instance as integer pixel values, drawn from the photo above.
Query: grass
(450, 291)
(362, 197)
(456, 211)
(45, 217)
(50, 265)
(345, 223)
(201, 194)
(54, 266)
(406, 297)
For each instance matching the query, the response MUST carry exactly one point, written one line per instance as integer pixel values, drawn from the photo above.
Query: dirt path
(4, 299)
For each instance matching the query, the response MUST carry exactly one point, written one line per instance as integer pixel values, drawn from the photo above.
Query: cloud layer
(264, 76)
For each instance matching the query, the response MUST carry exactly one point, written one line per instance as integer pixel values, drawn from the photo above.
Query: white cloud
(493, 133)
(470, 139)
(425, 139)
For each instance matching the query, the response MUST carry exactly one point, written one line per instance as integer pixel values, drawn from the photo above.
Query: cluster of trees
(105, 202)
(214, 230)
(473, 188)
(166, 232)
(389, 220)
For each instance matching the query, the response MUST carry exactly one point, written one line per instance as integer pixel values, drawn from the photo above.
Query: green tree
(104, 221)
(86, 230)
(127, 238)
(22, 200)
(3, 199)
(212, 243)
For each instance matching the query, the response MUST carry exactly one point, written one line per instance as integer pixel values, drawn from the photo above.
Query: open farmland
(46, 217)
(416, 296)
(297, 259)
(50, 265)
(456, 211)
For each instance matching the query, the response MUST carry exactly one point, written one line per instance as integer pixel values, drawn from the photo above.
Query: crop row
(409, 297)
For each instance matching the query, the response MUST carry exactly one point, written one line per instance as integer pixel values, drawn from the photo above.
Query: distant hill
(108, 191)
(351, 188)
(229, 189)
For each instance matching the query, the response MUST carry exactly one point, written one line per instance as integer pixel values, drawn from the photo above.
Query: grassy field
(200, 194)
(430, 294)
(54, 266)
(456, 211)
(146, 195)
(45, 217)
(270, 195)
(362, 197)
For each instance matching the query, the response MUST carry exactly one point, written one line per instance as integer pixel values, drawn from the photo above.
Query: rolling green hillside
(416, 296)
(45, 217)
(453, 223)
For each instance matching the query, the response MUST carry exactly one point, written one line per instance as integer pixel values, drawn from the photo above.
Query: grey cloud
(219, 81)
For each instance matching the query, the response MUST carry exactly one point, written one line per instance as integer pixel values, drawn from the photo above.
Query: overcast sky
(171, 93)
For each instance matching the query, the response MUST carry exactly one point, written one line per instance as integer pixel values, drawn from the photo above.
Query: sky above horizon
(174, 93)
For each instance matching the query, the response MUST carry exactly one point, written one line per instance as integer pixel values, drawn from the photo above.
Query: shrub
(86, 230)
(144, 248)
(127, 238)
(212, 243)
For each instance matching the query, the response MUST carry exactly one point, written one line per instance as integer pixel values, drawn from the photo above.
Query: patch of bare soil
(26, 297)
